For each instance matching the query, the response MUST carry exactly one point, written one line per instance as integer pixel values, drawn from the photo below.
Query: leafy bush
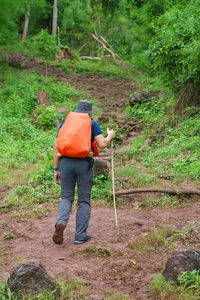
(102, 187)
(5, 292)
(173, 149)
(45, 116)
(21, 142)
(188, 289)
(150, 112)
(44, 45)
(175, 48)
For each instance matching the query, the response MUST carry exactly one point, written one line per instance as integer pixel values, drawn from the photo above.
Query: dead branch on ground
(101, 41)
(95, 57)
(155, 190)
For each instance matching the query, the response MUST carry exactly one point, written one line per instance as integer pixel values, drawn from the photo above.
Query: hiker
(76, 168)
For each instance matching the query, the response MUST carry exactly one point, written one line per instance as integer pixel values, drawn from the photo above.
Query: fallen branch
(155, 190)
(82, 47)
(104, 40)
(95, 58)
(104, 46)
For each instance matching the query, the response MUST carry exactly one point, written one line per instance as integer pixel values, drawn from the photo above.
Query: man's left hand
(57, 177)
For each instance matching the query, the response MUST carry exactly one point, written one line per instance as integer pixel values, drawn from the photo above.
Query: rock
(181, 260)
(145, 96)
(31, 278)
(100, 167)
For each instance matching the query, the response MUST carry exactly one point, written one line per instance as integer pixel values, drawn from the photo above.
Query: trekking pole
(113, 187)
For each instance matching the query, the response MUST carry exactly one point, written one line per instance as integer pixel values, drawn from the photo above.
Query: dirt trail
(125, 271)
(112, 93)
(117, 272)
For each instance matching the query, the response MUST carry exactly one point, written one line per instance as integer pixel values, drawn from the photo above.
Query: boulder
(145, 96)
(31, 278)
(100, 166)
(181, 260)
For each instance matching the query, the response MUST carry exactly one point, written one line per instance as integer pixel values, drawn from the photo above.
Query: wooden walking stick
(113, 187)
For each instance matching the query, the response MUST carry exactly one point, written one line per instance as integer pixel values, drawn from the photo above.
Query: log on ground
(155, 190)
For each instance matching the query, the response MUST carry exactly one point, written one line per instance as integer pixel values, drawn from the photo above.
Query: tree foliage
(175, 49)
(169, 27)
(8, 26)
(12, 18)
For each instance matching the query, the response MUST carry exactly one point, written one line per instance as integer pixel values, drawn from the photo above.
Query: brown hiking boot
(58, 234)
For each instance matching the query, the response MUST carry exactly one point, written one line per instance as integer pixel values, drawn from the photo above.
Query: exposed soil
(112, 93)
(33, 241)
(126, 271)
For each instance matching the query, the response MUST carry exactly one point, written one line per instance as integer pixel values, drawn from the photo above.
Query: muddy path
(117, 266)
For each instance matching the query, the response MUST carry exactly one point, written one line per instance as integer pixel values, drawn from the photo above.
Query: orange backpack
(74, 137)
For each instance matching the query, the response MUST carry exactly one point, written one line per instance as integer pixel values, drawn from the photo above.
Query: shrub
(45, 116)
(175, 48)
(43, 45)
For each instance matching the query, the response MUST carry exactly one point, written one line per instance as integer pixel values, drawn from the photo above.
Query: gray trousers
(72, 171)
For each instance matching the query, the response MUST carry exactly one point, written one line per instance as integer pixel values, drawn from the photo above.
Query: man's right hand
(57, 177)
(110, 133)
(103, 142)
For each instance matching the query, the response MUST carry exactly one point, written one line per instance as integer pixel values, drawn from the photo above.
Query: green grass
(164, 238)
(74, 289)
(133, 176)
(164, 200)
(105, 67)
(153, 241)
(102, 188)
(113, 295)
(162, 289)
(98, 251)
(173, 150)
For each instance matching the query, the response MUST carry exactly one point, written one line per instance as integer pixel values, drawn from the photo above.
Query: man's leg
(84, 181)
(67, 176)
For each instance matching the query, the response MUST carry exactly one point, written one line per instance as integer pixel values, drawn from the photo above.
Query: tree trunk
(189, 97)
(43, 98)
(26, 24)
(55, 17)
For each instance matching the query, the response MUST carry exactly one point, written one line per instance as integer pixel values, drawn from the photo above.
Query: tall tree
(55, 17)
(26, 24)
(27, 7)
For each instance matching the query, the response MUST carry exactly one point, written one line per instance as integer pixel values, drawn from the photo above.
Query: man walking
(75, 166)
